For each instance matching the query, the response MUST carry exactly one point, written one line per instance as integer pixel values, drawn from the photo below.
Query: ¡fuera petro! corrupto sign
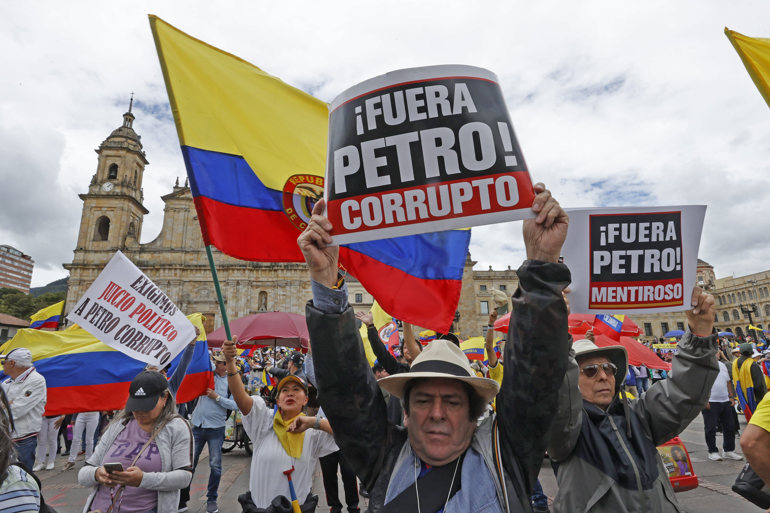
(421, 150)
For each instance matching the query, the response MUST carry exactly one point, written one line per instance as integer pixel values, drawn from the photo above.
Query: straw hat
(441, 359)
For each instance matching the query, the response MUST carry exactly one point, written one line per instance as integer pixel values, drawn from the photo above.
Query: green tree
(21, 305)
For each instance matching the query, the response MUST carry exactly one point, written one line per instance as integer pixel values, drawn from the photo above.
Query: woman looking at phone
(151, 443)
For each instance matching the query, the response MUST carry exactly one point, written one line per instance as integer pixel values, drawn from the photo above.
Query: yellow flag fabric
(751, 327)
(755, 54)
(293, 125)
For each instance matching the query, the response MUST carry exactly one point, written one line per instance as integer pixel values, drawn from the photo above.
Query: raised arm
(347, 389)
(489, 340)
(388, 362)
(671, 404)
(535, 358)
(240, 396)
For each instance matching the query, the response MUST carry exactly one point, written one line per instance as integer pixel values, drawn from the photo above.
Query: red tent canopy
(638, 354)
(578, 324)
(265, 329)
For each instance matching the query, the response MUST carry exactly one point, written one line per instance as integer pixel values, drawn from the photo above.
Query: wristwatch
(317, 422)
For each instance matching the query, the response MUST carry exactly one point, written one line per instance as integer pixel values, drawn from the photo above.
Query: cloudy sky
(612, 103)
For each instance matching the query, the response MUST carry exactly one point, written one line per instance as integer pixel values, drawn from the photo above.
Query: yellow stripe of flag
(755, 54)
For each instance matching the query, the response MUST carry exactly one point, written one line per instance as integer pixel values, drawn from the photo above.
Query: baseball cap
(20, 355)
(288, 379)
(145, 390)
(297, 358)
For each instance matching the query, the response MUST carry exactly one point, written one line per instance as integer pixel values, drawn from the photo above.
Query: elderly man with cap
(603, 446)
(208, 427)
(26, 393)
(443, 460)
(750, 385)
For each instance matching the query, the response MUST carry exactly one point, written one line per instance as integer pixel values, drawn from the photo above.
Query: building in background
(15, 269)
(9, 325)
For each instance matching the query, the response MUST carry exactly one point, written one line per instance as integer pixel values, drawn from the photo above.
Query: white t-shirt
(719, 393)
(270, 460)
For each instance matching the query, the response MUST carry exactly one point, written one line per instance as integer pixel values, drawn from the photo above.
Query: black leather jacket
(535, 361)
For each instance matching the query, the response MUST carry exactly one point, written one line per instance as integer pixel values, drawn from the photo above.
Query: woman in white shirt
(281, 439)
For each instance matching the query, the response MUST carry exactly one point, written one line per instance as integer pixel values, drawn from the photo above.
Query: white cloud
(612, 103)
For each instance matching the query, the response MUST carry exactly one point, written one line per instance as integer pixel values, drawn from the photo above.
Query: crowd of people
(424, 430)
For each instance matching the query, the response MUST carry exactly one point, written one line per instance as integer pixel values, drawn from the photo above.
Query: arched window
(736, 315)
(719, 298)
(102, 228)
(112, 174)
(132, 229)
(726, 316)
(767, 310)
(739, 331)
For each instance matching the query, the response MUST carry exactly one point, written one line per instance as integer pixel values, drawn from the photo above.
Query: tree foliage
(21, 305)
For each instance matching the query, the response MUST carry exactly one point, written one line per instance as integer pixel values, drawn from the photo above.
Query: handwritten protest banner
(420, 150)
(632, 259)
(124, 309)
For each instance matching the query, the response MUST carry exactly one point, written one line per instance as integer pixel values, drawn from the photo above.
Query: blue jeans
(214, 437)
(25, 449)
(538, 498)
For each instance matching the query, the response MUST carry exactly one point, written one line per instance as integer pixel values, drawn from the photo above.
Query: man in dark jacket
(443, 457)
(604, 447)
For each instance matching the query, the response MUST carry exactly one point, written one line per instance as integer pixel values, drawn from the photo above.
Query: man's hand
(197, 334)
(701, 317)
(590, 335)
(314, 242)
(544, 235)
(211, 394)
(365, 317)
(492, 317)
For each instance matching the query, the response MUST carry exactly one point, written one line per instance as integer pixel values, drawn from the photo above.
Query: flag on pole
(47, 317)
(755, 54)
(255, 152)
(610, 325)
(84, 374)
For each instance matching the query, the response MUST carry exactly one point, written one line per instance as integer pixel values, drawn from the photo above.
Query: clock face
(107, 186)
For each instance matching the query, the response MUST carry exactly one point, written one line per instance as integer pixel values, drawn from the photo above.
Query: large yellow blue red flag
(84, 374)
(47, 317)
(755, 54)
(255, 152)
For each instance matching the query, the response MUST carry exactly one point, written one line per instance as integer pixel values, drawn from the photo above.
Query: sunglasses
(593, 369)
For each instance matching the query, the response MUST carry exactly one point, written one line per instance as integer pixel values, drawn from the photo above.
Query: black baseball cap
(145, 390)
(297, 358)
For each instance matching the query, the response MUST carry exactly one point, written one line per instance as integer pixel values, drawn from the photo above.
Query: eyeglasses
(593, 369)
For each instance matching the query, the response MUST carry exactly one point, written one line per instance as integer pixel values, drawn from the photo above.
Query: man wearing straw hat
(603, 446)
(442, 460)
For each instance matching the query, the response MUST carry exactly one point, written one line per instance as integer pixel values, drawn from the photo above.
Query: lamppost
(756, 296)
(748, 310)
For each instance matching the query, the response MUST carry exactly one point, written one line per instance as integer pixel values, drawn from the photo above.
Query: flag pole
(221, 301)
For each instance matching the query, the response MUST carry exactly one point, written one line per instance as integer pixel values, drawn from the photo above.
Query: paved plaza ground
(61, 490)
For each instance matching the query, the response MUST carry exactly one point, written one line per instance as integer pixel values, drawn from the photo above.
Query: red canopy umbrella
(638, 353)
(578, 324)
(265, 329)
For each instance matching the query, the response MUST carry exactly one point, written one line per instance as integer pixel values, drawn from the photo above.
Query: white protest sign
(421, 150)
(124, 309)
(626, 260)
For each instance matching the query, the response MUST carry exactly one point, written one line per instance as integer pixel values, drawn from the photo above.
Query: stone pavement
(61, 490)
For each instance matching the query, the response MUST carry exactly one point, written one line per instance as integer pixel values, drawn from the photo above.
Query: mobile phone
(113, 467)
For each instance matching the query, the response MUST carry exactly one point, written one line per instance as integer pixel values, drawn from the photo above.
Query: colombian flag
(610, 325)
(84, 374)
(474, 349)
(48, 317)
(387, 329)
(755, 54)
(255, 152)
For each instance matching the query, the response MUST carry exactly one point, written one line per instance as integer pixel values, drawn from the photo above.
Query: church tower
(112, 207)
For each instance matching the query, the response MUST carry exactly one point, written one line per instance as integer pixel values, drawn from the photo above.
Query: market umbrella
(673, 333)
(638, 353)
(728, 334)
(265, 329)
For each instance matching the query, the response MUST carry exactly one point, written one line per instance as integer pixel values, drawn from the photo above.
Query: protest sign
(124, 309)
(624, 260)
(421, 150)
(664, 346)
